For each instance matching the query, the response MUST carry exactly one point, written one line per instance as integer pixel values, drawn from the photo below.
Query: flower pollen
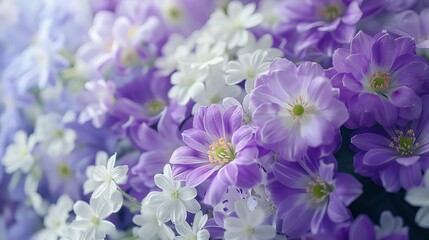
(331, 12)
(379, 81)
(406, 143)
(221, 152)
(319, 190)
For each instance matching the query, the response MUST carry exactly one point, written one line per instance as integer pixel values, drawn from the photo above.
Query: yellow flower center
(379, 81)
(221, 152)
(404, 143)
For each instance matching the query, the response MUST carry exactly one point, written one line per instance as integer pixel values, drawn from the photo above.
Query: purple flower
(379, 78)
(321, 24)
(396, 156)
(391, 228)
(218, 148)
(158, 146)
(311, 195)
(295, 108)
(411, 24)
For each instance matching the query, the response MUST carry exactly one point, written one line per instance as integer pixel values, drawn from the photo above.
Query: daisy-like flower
(150, 227)
(248, 225)
(248, 67)
(218, 148)
(419, 197)
(295, 108)
(233, 26)
(19, 155)
(264, 43)
(400, 151)
(96, 101)
(206, 55)
(53, 137)
(104, 177)
(188, 82)
(90, 218)
(174, 201)
(56, 220)
(380, 79)
(196, 232)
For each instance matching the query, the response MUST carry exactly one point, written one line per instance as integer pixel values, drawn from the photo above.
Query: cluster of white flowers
(172, 203)
(222, 54)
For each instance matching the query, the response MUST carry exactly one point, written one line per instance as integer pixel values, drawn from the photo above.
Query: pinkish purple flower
(295, 108)
(379, 79)
(220, 149)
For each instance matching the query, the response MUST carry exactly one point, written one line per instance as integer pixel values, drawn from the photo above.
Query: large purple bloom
(379, 78)
(397, 156)
(311, 195)
(295, 108)
(218, 148)
(321, 24)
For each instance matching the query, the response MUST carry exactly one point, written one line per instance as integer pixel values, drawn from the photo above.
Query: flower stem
(134, 204)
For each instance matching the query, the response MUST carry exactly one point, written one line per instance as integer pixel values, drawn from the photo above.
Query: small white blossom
(90, 219)
(196, 232)
(206, 55)
(419, 197)
(56, 220)
(232, 27)
(31, 184)
(187, 83)
(264, 43)
(150, 227)
(248, 224)
(52, 136)
(174, 49)
(389, 224)
(104, 177)
(19, 155)
(248, 67)
(174, 201)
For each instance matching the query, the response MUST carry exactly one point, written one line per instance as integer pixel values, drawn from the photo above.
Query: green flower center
(156, 107)
(221, 152)
(174, 13)
(379, 81)
(298, 110)
(404, 143)
(64, 170)
(95, 220)
(249, 231)
(319, 190)
(175, 195)
(331, 12)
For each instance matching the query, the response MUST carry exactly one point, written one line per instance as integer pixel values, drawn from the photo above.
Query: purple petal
(410, 176)
(213, 122)
(229, 174)
(232, 119)
(187, 155)
(326, 171)
(197, 139)
(318, 216)
(404, 97)
(358, 66)
(242, 138)
(389, 179)
(377, 157)
(200, 174)
(352, 14)
(337, 211)
(362, 43)
(339, 59)
(248, 176)
(347, 188)
(289, 209)
(384, 52)
(362, 228)
(407, 161)
(368, 141)
(291, 175)
(344, 33)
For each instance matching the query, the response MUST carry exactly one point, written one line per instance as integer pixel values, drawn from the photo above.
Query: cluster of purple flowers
(217, 119)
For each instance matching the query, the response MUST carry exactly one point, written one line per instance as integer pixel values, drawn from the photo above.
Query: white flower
(90, 218)
(419, 197)
(31, 184)
(264, 43)
(389, 224)
(271, 17)
(247, 108)
(174, 201)
(187, 83)
(104, 177)
(196, 232)
(150, 226)
(56, 220)
(232, 28)
(206, 55)
(248, 67)
(19, 155)
(248, 224)
(174, 49)
(53, 137)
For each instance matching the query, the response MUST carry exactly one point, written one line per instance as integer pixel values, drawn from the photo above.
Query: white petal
(187, 193)
(83, 210)
(264, 232)
(418, 196)
(422, 217)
